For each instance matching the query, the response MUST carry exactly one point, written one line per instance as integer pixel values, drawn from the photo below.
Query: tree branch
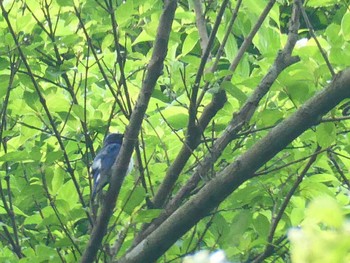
(241, 170)
(154, 70)
(201, 25)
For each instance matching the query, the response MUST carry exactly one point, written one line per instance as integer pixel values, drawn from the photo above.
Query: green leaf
(240, 223)
(269, 117)
(298, 90)
(220, 227)
(65, 2)
(176, 116)
(189, 43)
(146, 216)
(124, 11)
(78, 110)
(68, 193)
(107, 42)
(53, 156)
(4, 63)
(57, 181)
(234, 91)
(231, 48)
(4, 80)
(31, 100)
(261, 225)
(268, 41)
(345, 26)
(18, 211)
(319, 3)
(326, 134)
(25, 23)
(334, 36)
(133, 199)
(45, 253)
(338, 56)
(16, 156)
(33, 219)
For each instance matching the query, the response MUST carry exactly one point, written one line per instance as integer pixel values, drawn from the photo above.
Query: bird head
(113, 138)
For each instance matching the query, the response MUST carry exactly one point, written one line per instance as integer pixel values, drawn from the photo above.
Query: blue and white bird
(104, 162)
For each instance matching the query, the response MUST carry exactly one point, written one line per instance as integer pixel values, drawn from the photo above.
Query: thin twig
(312, 33)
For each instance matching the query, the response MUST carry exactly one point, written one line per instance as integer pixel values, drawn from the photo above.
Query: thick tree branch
(282, 61)
(154, 70)
(242, 169)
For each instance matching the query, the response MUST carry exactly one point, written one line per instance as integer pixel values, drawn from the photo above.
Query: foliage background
(71, 71)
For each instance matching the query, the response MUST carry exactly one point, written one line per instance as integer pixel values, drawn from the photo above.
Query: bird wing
(102, 165)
